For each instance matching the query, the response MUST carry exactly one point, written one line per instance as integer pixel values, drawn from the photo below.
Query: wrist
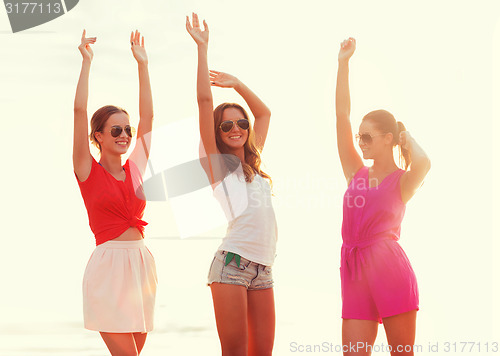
(344, 61)
(142, 64)
(238, 84)
(202, 46)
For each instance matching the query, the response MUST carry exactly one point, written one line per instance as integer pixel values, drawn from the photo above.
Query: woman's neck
(385, 164)
(112, 163)
(240, 153)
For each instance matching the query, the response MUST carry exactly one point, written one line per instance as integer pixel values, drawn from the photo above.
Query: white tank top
(252, 231)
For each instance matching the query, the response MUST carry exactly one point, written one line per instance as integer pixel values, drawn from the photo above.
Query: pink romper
(377, 278)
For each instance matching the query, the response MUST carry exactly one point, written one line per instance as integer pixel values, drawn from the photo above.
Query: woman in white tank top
(240, 276)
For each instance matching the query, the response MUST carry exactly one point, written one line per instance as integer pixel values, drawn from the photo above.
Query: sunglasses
(366, 138)
(227, 126)
(117, 130)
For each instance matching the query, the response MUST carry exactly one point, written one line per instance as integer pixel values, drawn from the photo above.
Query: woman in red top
(119, 285)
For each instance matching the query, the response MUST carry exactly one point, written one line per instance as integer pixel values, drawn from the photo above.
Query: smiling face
(380, 142)
(114, 145)
(234, 139)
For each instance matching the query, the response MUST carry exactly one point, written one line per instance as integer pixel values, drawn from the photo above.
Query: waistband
(243, 260)
(354, 259)
(122, 244)
(366, 242)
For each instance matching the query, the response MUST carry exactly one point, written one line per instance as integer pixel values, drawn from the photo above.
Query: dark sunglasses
(227, 126)
(117, 130)
(366, 138)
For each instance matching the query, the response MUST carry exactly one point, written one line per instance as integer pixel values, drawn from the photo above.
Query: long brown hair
(252, 163)
(99, 120)
(385, 122)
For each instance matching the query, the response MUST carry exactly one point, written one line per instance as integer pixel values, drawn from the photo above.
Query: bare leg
(230, 305)
(261, 322)
(356, 331)
(140, 340)
(120, 344)
(400, 330)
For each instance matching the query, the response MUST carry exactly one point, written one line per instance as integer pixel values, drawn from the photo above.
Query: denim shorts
(251, 275)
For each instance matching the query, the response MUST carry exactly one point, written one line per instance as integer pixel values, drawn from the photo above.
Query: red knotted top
(113, 205)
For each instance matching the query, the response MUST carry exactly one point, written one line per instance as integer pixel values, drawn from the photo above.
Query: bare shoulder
(83, 167)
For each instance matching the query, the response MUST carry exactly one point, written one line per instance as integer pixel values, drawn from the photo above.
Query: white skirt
(119, 288)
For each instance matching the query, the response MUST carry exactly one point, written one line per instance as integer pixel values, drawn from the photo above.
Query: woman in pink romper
(378, 282)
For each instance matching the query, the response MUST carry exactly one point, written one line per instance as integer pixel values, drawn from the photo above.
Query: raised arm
(205, 100)
(349, 157)
(420, 164)
(259, 110)
(140, 154)
(82, 159)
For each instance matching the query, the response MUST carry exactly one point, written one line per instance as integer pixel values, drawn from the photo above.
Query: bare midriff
(131, 234)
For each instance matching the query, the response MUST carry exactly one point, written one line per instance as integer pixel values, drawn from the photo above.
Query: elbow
(264, 116)
(426, 163)
(79, 109)
(422, 164)
(342, 115)
(204, 99)
(146, 117)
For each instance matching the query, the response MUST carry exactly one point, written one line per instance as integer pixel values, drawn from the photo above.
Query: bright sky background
(429, 63)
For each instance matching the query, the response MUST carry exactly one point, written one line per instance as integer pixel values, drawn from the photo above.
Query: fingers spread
(136, 38)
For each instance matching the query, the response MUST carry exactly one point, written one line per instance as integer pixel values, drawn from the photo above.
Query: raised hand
(404, 139)
(138, 49)
(347, 48)
(199, 36)
(84, 47)
(223, 80)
